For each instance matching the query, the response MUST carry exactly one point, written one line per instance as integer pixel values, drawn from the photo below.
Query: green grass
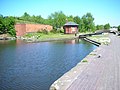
(22, 21)
(84, 60)
(93, 54)
(42, 36)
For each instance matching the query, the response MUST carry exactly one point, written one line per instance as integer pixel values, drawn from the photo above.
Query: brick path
(101, 73)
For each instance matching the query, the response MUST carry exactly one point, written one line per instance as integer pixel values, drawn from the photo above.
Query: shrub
(45, 31)
(53, 31)
(84, 60)
(119, 28)
(62, 31)
(12, 32)
(57, 31)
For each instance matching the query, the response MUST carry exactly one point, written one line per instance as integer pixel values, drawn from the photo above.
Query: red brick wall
(37, 27)
(70, 30)
(22, 29)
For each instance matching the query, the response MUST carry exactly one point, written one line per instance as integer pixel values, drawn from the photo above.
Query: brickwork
(70, 30)
(22, 29)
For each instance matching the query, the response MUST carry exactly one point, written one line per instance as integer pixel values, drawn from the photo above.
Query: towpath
(101, 73)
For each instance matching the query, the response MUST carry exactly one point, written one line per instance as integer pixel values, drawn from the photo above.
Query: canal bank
(47, 39)
(64, 82)
(81, 75)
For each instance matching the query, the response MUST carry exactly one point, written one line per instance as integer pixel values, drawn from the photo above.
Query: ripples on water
(35, 66)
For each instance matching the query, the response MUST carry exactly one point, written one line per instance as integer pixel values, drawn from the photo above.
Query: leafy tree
(76, 19)
(37, 19)
(107, 26)
(119, 28)
(1, 24)
(57, 19)
(26, 16)
(87, 23)
(70, 18)
(7, 25)
(99, 27)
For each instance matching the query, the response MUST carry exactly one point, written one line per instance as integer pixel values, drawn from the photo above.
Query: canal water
(35, 66)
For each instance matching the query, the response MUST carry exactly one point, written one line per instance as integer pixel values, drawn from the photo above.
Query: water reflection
(72, 41)
(35, 66)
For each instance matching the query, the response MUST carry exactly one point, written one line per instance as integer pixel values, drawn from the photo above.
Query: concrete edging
(67, 79)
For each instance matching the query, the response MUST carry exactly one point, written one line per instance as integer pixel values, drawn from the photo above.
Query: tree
(77, 20)
(37, 19)
(57, 19)
(26, 16)
(107, 26)
(87, 23)
(119, 28)
(7, 25)
(99, 27)
(70, 18)
(1, 24)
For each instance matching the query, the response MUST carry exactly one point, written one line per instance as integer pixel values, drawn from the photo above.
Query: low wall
(22, 29)
(37, 27)
(64, 82)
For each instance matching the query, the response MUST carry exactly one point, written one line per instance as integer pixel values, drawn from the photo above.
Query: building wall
(22, 29)
(37, 27)
(70, 30)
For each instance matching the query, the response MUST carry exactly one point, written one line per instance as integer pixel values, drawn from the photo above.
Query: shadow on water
(35, 66)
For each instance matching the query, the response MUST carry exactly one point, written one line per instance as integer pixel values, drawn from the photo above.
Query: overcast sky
(104, 11)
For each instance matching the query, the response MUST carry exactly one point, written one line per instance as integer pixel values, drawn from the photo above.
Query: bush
(7, 25)
(119, 28)
(29, 35)
(57, 31)
(39, 31)
(62, 31)
(53, 31)
(84, 60)
(43, 31)
(12, 32)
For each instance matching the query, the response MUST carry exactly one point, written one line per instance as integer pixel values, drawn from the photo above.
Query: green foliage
(70, 18)
(99, 27)
(53, 31)
(119, 28)
(45, 31)
(57, 31)
(87, 24)
(57, 19)
(62, 31)
(107, 26)
(12, 32)
(84, 60)
(26, 16)
(7, 25)
(77, 19)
